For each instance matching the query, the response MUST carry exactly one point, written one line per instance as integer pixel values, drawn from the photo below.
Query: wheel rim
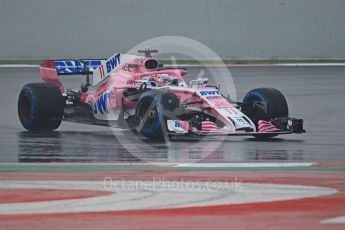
(147, 118)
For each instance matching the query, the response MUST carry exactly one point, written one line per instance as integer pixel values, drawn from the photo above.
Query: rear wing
(73, 67)
(51, 69)
(99, 68)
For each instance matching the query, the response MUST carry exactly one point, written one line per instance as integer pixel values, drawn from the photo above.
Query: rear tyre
(40, 107)
(264, 104)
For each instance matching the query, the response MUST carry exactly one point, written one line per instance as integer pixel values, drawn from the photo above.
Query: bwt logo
(209, 93)
(113, 62)
(177, 124)
(101, 104)
(182, 125)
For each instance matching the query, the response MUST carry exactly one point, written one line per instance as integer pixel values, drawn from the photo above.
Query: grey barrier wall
(232, 28)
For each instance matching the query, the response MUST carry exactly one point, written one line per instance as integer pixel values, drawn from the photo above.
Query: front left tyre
(151, 113)
(40, 107)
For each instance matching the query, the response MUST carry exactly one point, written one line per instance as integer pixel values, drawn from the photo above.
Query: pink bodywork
(267, 126)
(125, 76)
(107, 100)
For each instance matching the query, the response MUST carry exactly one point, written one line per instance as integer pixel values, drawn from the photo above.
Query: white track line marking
(139, 195)
(172, 164)
(258, 65)
(246, 165)
(312, 64)
(335, 220)
(19, 66)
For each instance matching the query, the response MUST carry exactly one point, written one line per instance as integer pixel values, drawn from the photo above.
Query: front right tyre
(265, 104)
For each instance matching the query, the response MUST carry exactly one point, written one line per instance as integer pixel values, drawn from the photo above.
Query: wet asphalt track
(315, 93)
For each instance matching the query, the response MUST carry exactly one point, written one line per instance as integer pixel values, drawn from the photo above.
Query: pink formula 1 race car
(154, 102)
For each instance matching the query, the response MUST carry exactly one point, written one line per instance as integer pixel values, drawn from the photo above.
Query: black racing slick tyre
(40, 107)
(149, 116)
(151, 113)
(265, 104)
